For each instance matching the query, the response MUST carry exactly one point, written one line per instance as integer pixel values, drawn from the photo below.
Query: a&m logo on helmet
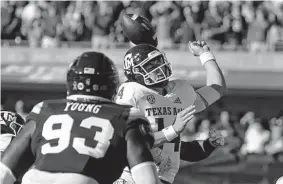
(8, 122)
(128, 61)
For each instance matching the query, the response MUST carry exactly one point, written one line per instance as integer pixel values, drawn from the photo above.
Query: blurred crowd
(248, 25)
(245, 133)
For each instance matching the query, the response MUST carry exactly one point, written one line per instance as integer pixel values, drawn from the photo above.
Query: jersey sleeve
(126, 95)
(185, 90)
(139, 138)
(33, 115)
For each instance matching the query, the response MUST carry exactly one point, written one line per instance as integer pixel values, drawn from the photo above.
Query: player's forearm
(214, 76)
(6, 175)
(159, 139)
(195, 150)
(147, 169)
(166, 135)
(214, 89)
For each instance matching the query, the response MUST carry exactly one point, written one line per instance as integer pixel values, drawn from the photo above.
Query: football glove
(216, 139)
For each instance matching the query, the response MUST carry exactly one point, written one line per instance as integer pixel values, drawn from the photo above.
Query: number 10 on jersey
(101, 139)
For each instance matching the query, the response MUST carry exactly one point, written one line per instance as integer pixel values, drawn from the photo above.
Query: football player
(11, 124)
(170, 104)
(85, 138)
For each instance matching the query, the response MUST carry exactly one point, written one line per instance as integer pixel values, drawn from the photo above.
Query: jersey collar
(87, 98)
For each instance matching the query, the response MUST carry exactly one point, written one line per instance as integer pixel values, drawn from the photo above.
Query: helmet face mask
(149, 67)
(154, 69)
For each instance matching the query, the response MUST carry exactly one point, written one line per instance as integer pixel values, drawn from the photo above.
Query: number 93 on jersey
(60, 128)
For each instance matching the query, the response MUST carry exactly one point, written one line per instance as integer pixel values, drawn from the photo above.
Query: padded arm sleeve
(196, 150)
(139, 139)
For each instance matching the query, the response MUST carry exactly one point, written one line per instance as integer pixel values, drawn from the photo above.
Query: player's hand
(216, 139)
(198, 47)
(183, 118)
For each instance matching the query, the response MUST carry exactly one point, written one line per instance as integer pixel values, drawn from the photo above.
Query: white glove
(201, 49)
(216, 139)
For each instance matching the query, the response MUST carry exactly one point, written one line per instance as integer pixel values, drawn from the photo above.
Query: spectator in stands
(213, 26)
(11, 19)
(74, 28)
(189, 29)
(257, 31)
(106, 14)
(239, 25)
(46, 23)
(255, 139)
(30, 12)
(203, 129)
(275, 144)
(275, 33)
(164, 14)
(35, 32)
(52, 24)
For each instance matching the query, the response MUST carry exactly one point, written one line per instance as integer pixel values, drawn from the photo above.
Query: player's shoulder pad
(179, 83)
(182, 86)
(127, 93)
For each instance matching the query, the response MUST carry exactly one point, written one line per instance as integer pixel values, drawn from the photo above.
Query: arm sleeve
(195, 150)
(139, 140)
(18, 156)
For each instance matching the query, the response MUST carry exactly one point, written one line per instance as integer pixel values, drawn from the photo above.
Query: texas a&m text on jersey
(85, 138)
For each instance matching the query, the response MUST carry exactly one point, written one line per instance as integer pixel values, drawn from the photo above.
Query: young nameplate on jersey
(85, 138)
(170, 104)
(11, 124)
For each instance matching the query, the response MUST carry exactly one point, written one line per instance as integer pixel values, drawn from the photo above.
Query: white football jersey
(161, 112)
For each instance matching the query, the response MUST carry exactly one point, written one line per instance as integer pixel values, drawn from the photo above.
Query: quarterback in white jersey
(163, 102)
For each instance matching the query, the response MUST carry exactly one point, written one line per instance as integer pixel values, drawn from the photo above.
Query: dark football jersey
(81, 137)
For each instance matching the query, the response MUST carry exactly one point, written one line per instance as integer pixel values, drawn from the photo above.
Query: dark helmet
(146, 65)
(11, 123)
(93, 73)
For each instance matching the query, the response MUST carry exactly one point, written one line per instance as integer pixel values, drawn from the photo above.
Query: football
(138, 29)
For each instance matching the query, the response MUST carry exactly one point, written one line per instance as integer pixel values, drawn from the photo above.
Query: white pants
(35, 176)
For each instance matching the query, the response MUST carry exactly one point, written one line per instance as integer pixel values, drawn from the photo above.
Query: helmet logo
(128, 61)
(87, 82)
(81, 86)
(75, 85)
(95, 87)
(153, 54)
(8, 116)
(89, 71)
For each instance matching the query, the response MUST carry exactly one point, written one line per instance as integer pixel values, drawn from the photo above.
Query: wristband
(206, 56)
(170, 133)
